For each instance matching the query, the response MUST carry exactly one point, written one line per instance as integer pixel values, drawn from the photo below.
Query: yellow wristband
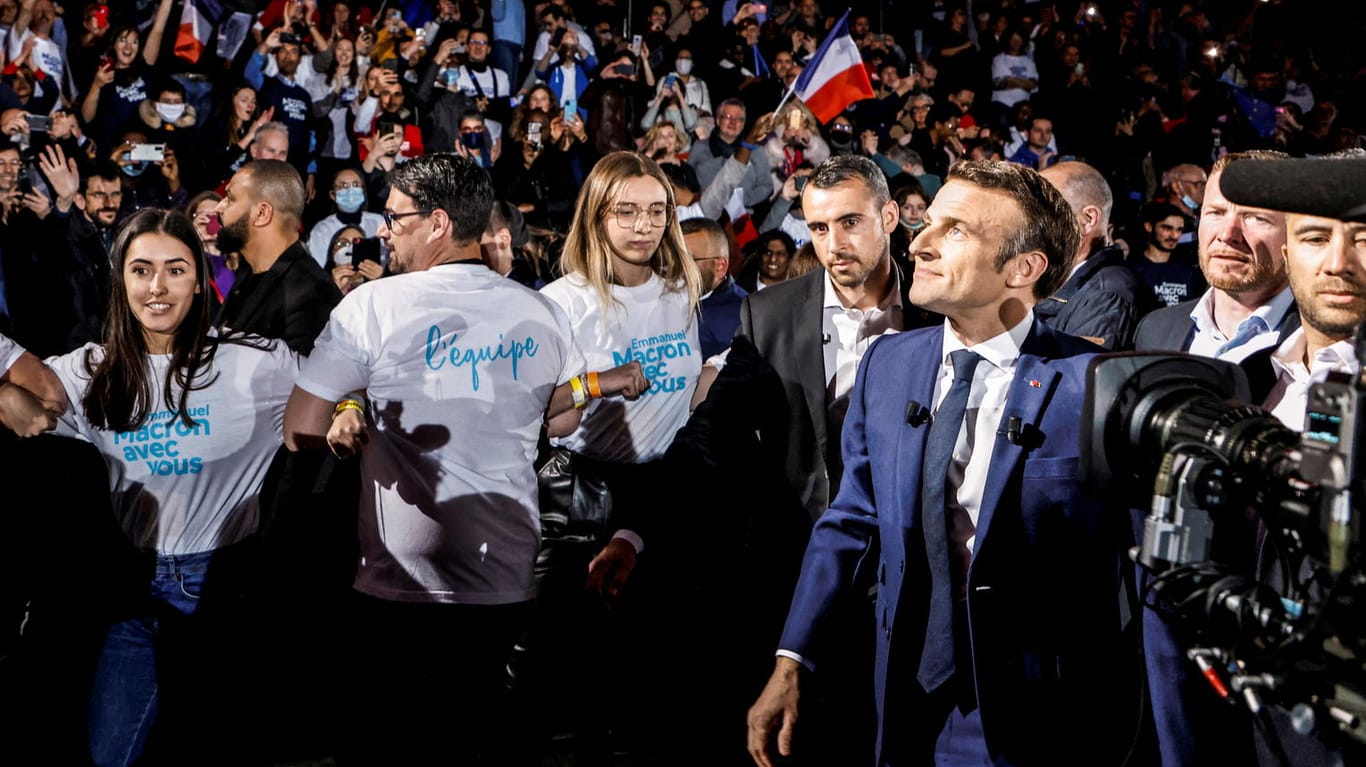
(594, 390)
(580, 395)
(348, 404)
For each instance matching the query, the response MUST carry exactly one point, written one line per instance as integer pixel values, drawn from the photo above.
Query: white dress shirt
(847, 334)
(967, 476)
(1256, 332)
(1290, 394)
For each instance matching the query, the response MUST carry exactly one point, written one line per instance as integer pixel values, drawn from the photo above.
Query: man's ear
(263, 214)
(1025, 269)
(441, 225)
(891, 216)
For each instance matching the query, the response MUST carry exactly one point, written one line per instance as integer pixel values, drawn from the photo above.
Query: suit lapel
(920, 377)
(808, 322)
(1029, 393)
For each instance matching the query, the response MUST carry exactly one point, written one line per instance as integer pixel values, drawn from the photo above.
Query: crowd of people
(473, 382)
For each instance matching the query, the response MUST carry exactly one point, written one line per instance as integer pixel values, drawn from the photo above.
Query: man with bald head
(286, 296)
(1185, 185)
(1103, 298)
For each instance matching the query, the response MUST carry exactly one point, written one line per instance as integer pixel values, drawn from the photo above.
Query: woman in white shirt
(187, 422)
(631, 292)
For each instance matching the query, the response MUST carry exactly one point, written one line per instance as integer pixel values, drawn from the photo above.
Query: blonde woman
(630, 290)
(795, 141)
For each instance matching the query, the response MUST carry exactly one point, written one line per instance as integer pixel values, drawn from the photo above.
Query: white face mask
(170, 112)
(683, 66)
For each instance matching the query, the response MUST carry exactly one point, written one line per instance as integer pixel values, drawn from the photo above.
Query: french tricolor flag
(197, 21)
(835, 77)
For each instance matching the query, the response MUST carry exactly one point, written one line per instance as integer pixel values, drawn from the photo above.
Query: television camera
(1252, 542)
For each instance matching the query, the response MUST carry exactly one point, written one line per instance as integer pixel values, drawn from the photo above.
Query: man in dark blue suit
(721, 299)
(1002, 614)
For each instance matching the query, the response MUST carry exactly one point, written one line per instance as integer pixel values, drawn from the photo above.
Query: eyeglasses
(390, 217)
(730, 118)
(628, 215)
(477, 44)
(347, 185)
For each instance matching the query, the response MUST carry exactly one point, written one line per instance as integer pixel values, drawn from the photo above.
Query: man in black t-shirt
(1162, 264)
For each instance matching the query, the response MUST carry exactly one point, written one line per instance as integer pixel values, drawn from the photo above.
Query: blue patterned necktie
(936, 659)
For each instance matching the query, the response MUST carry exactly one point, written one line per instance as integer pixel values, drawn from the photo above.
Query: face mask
(683, 66)
(450, 77)
(914, 228)
(1189, 203)
(170, 112)
(134, 169)
(350, 199)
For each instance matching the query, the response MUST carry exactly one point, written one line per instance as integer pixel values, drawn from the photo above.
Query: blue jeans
(507, 57)
(124, 698)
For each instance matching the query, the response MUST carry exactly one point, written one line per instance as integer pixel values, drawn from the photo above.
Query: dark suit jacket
(290, 301)
(1043, 587)
(774, 384)
(1170, 329)
(1103, 299)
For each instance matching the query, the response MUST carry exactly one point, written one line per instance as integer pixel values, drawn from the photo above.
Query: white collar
(1001, 350)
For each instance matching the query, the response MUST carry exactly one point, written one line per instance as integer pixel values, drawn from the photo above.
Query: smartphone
(557, 37)
(39, 123)
(759, 7)
(800, 183)
(625, 69)
(472, 140)
(364, 249)
(794, 119)
(635, 44)
(570, 109)
(148, 153)
(390, 64)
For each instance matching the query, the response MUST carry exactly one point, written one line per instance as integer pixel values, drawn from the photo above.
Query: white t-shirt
(10, 352)
(47, 55)
(1004, 65)
(459, 365)
(647, 324)
(184, 489)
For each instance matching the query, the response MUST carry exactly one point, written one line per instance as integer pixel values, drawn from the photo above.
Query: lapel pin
(1034, 384)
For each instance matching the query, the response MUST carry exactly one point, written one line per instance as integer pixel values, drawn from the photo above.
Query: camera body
(1221, 474)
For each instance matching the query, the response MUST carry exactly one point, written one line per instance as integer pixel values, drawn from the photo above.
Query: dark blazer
(290, 301)
(1103, 299)
(1044, 584)
(1171, 330)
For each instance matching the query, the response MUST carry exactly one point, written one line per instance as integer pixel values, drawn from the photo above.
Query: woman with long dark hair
(122, 78)
(187, 422)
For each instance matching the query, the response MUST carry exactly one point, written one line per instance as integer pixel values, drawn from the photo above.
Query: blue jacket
(1103, 299)
(721, 316)
(1053, 655)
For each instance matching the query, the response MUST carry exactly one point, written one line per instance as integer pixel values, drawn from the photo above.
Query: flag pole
(786, 96)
